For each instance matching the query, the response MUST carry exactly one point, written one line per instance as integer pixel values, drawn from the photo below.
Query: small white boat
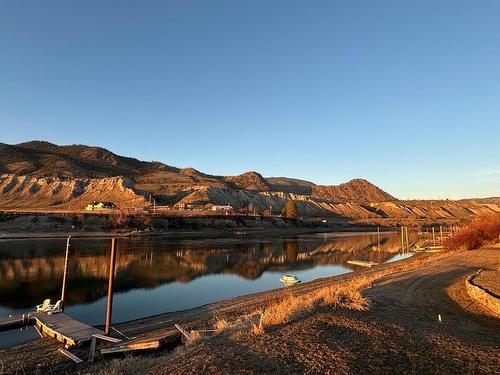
(289, 280)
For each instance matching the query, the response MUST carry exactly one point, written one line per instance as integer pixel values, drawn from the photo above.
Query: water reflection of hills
(25, 279)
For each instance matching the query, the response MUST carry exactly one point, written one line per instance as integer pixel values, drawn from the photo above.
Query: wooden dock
(65, 329)
(362, 263)
(16, 321)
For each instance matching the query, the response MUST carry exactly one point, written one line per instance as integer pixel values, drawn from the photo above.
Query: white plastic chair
(54, 309)
(43, 306)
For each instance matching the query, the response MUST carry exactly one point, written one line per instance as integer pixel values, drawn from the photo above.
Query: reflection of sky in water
(137, 302)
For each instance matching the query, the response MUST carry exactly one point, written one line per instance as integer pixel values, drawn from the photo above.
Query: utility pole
(109, 305)
(65, 274)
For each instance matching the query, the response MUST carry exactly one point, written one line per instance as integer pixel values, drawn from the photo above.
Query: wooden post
(441, 234)
(433, 237)
(65, 274)
(407, 242)
(378, 238)
(92, 349)
(109, 305)
(402, 240)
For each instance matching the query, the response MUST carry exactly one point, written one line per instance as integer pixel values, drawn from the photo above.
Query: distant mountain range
(40, 174)
(44, 159)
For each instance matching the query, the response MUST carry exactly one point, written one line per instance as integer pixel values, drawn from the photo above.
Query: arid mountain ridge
(40, 174)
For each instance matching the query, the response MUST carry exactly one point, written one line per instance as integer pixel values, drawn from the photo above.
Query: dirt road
(400, 334)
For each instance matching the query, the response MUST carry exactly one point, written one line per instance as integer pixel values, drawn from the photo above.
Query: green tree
(291, 209)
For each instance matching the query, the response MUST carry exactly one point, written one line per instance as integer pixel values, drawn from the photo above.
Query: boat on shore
(289, 280)
(362, 263)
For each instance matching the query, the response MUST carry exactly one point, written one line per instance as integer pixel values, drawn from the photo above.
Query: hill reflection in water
(155, 276)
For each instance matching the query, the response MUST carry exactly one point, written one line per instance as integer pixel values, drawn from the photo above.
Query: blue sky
(403, 93)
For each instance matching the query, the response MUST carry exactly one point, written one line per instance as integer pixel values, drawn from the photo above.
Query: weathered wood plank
(146, 342)
(70, 355)
(107, 338)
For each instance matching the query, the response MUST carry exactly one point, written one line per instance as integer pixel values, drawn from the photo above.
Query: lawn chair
(53, 309)
(43, 306)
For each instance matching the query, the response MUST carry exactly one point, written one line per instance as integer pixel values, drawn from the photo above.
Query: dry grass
(221, 325)
(194, 336)
(292, 307)
(125, 366)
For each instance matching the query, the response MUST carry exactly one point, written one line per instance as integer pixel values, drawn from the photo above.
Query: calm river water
(154, 276)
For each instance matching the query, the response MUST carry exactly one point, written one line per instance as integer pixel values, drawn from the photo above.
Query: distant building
(100, 206)
(219, 208)
(189, 206)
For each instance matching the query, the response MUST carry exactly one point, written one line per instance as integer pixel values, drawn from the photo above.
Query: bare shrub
(474, 235)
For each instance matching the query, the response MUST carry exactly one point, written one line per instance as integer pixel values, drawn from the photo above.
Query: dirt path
(399, 334)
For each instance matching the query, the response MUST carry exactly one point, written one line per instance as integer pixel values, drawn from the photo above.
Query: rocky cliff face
(357, 190)
(54, 192)
(43, 175)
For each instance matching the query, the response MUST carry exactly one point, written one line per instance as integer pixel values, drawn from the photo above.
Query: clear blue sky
(403, 93)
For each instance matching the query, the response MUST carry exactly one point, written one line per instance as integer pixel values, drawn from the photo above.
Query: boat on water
(289, 280)
(362, 263)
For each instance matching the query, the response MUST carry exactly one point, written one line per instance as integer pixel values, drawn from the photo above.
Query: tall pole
(109, 305)
(65, 274)
(407, 242)
(378, 238)
(402, 240)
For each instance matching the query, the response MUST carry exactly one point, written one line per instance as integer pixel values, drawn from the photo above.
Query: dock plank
(16, 320)
(65, 329)
(145, 342)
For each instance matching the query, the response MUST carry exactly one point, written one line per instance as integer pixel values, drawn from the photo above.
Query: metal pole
(65, 274)
(109, 305)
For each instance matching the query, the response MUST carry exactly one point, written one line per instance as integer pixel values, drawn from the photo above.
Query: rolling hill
(40, 174)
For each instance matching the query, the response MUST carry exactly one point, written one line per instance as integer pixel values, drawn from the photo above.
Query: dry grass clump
(288, 309)
(347, 295)
(125, 366)
(474, 235)
(194, 336)
(343, 298)
(221, 325)
(291, 307)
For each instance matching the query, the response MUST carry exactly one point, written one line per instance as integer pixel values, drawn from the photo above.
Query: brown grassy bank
(484, 230)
